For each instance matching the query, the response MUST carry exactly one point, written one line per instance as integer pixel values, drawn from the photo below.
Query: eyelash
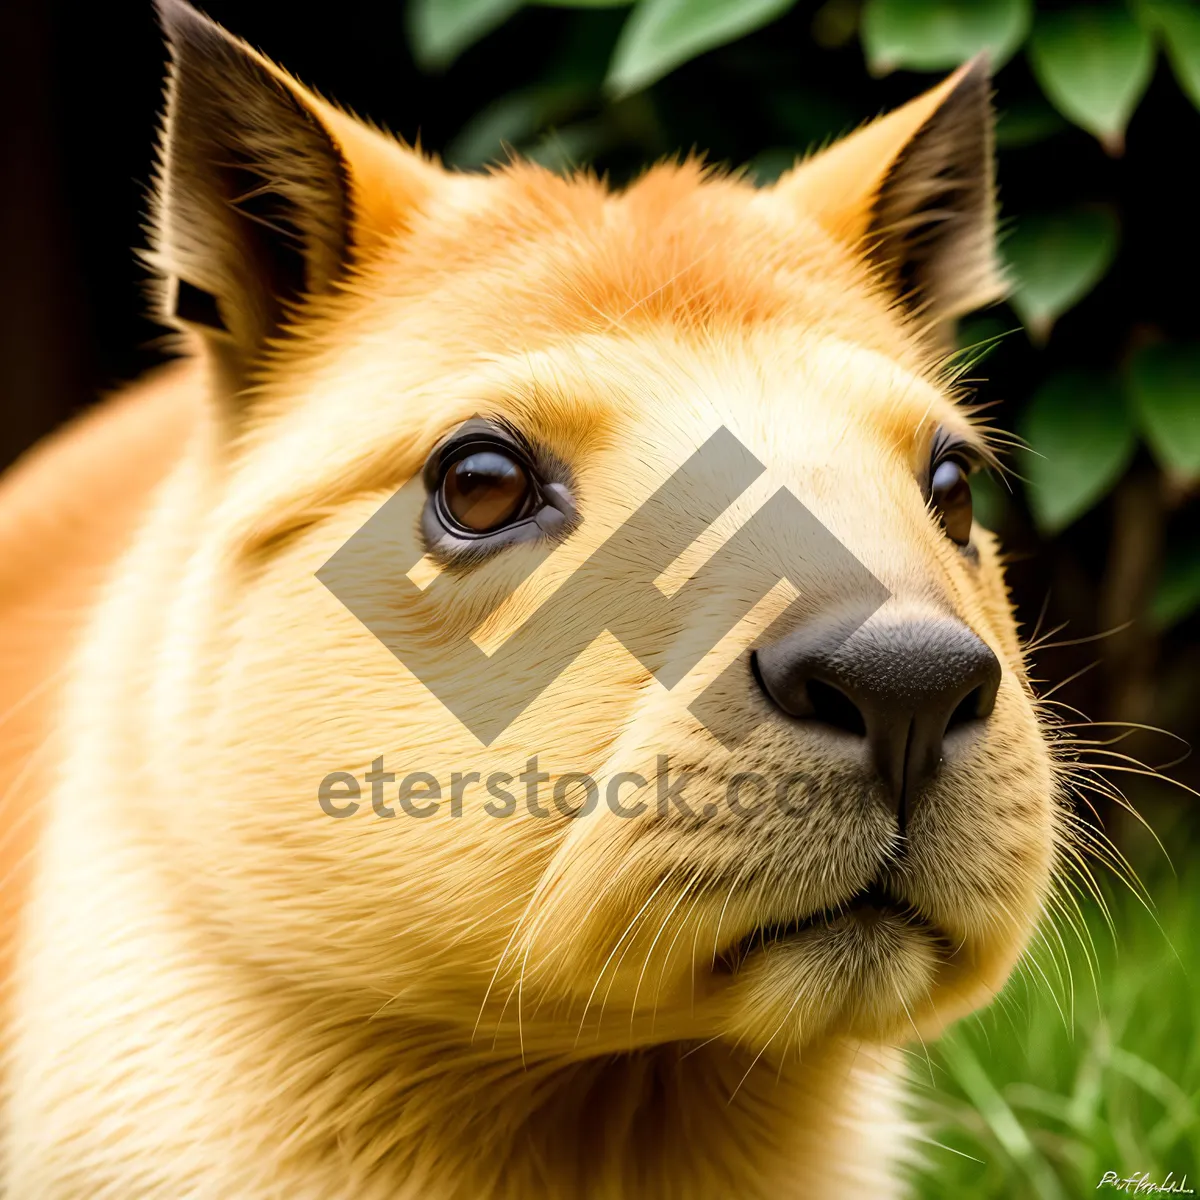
(947, 446)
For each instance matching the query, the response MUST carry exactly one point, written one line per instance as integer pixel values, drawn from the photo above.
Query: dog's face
(817, 806)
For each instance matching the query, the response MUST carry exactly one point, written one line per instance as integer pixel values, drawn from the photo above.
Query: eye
(950, 498)
(485, 489)
(488, 487)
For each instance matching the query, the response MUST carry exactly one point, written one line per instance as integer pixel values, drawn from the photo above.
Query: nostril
(789, 686)
(834, 707)
(969, 709)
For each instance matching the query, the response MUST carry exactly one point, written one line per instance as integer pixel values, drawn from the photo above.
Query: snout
(910, 692)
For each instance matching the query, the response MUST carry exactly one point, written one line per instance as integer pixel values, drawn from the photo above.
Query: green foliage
(661, 34)
(934, 35)
(1178, 24)
(1094, 63)
(1165, 383)
(1056, 259)
(440, 30)
(1083, 437)
(1089, 1063)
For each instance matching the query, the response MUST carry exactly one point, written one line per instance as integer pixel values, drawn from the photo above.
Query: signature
(1141, 1184)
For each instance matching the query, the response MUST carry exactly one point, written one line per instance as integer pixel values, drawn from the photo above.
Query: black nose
(902, 686)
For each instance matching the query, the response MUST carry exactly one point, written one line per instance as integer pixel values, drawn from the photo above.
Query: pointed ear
(266, 195)
(915, 190)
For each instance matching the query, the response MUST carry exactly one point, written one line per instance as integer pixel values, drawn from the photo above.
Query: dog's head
(664, 488)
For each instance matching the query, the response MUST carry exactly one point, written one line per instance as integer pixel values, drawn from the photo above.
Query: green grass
(1078, 1069)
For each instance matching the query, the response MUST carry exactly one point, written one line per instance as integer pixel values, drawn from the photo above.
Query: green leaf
(1165, 385)
(1178, 592)
(1178, 24)
(934, 35)
(1081, 438)
(1094, 64)
(440, 30)
(662, 34)
(1055, 260)
(582, 3)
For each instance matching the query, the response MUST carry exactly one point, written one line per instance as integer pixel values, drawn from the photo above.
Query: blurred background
(1094, 364)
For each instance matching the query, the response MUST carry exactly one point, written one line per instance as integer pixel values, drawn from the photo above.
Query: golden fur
(223, 992)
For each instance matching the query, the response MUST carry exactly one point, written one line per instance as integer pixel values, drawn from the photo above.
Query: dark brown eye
(484, 490)
(950, 495)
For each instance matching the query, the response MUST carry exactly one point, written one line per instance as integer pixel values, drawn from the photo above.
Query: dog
(522, 706)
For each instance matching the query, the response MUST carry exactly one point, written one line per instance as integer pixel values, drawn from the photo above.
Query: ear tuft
(914, 192)
(253, 207)
(933, 223)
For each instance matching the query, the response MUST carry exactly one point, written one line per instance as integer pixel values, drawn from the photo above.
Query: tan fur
(223, 992)
(66, 511)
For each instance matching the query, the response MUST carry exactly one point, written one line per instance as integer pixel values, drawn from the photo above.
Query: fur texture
(221, 991)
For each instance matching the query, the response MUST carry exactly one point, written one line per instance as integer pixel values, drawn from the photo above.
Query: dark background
(81, 87)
